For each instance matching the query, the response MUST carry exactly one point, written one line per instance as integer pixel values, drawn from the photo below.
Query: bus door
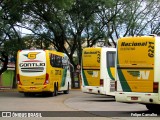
(110, 57)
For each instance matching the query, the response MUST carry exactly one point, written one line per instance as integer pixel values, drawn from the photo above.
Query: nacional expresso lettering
(90, 52)
(134, 44)
(31, 64)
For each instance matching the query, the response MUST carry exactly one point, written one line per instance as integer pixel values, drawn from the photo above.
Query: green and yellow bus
(138, 71)
(98, 70)
(40, 71)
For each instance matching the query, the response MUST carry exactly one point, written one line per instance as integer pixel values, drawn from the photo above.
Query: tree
(68, 24)
(136, 17)
(10, 13)
(82, 24)
(4, 60)
(47, 21)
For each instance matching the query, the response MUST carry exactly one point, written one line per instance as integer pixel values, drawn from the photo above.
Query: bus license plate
(32, 88)
(134, 98)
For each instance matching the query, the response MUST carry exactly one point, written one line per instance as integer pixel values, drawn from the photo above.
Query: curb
(15, 90)
(8, 90)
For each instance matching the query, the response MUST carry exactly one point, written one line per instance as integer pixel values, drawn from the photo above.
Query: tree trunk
(4, 59)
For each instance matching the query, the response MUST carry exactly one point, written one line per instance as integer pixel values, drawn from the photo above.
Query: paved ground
(65, 106)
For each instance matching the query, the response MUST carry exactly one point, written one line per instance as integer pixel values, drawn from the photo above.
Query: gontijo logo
(32, 62)
(32, 55)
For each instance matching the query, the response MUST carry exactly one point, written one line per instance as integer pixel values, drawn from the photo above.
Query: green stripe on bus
(84, 78)
(122, 79)
(110, 74)
(64, 77)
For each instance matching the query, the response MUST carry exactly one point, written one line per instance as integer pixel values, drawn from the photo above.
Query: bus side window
(56, 61)
(65, 62)
(51, 59)
(111, 59)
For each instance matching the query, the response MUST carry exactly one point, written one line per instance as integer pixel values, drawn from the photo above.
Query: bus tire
(66, 91)
(55, 92)
(153, 107)
(26, 94)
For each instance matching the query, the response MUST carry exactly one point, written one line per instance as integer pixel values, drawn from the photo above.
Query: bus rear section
(31, 71)
(42, 71)
(97, 75)
(90, 70)
(136, 70)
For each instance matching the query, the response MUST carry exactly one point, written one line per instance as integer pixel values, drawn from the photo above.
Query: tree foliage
(70, 25)
(4, 60)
